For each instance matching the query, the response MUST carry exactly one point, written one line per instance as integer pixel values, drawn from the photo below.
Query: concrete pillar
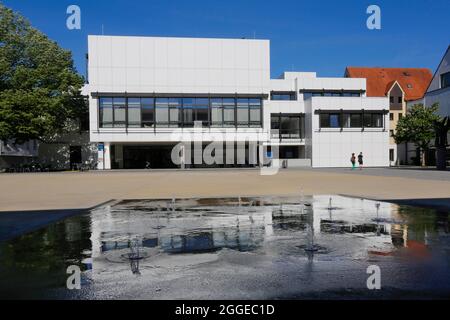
(107, 157)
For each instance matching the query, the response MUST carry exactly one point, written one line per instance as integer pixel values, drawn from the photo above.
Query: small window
(391, 99)
(391, 116)
(400, 116)
(445, 80)
(400, 99)
(330, 120)
(391, 154)
(283, 96)
(391, 133)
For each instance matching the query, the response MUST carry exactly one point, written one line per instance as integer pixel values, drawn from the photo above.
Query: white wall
(178, 65)
(333, 147)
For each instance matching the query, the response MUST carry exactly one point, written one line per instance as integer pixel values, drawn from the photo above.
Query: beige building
(400, 85)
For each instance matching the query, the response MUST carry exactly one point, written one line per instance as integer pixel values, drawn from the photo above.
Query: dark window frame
(445, 80)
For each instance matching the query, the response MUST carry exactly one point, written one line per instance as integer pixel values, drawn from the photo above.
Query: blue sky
(320, 35)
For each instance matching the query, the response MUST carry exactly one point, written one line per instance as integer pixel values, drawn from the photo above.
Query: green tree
(39, 86)
(418, 127)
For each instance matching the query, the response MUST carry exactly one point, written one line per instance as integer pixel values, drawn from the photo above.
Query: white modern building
(149, 94)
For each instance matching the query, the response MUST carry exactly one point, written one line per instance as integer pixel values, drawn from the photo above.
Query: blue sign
(269, 154)
(101, 147)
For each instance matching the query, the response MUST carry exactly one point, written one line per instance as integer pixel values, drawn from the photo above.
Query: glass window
(228, 112)
(283, 96)
(377, 120)
(373, 120)
(106, 112)
(134, 112)
(334, 120)
(356, 120)
(242, 112)
(201, 111)
(347, 120)
(174, 112)
(445, 80)
(119, 112)
(162, 111)
(391, 116)
(148, 112)
(330, 120)
(324, 120)
(216, 112)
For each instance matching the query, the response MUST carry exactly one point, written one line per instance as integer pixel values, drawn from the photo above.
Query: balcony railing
(286, 134)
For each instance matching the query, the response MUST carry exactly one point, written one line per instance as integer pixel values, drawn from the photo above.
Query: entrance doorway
(75, 157)
(158, 157)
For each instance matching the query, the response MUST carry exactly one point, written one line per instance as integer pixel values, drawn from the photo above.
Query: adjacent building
(400, 86)
(15, 155)
(149, 96)
(438, 91)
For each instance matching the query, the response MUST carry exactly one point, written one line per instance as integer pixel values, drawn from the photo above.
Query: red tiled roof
(414, 81)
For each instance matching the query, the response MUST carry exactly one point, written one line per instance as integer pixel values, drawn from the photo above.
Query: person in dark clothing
(353, 161)
(361, 161)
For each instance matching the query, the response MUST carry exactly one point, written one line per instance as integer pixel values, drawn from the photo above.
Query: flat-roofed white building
(149, 94)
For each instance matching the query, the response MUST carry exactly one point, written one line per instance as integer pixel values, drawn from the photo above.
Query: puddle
(233, 248)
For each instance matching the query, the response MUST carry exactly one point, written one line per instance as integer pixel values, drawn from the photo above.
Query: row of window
(399, 99)
(331, 94)
(289, 96)
(392, 116)
(119, 112)
(351, 120)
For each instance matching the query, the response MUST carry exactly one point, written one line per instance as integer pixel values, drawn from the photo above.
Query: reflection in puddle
(233, 244)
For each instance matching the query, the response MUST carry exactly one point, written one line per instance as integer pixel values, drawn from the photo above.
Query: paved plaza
(75, 190)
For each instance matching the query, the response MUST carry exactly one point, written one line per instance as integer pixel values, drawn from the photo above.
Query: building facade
(400, 86)
(15, 155)
(212, 102)
(438, 91)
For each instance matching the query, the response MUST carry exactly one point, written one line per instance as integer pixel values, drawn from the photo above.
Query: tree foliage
(418, 126)
(39, 86)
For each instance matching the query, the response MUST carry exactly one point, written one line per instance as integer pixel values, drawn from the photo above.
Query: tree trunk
(423, 159)
(441, 158)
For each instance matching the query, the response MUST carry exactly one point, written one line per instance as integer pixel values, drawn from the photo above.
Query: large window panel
(162, 111)
(202, 111)
(216, 112)
(229, 112)
(148, 112)
(119, 112)
(355, 120)
(106, 112)
(134, 112)
(175, 112)
(242, 112)
(377, 120)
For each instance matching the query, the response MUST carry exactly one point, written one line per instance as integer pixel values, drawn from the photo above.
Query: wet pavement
(317, 247)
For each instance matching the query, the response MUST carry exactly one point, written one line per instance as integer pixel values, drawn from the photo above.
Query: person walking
(361, 160)
(353, 161)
